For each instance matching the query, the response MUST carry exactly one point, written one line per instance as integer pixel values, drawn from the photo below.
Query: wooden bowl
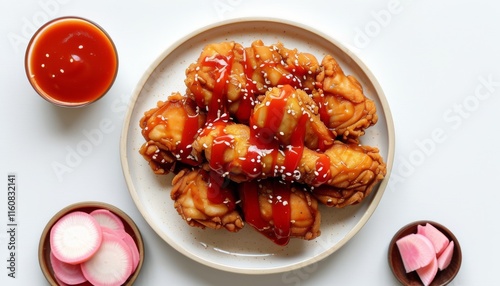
(442, 277)
(44, 245)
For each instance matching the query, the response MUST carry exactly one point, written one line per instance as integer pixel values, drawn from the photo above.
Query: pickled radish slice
(107, 219)
(133, 249)
(127, 238)
(70, 274)
(444, 259)
(428, 273)
(75, 237)
(416, 251)
(111, 265)
(438, 239)
(416, 248)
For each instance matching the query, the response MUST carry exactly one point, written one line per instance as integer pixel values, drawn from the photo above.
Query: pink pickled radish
(75, 237)
(70, 274)
(438, 239)
(107, 219)
(444, 259)
(127, 238)
(416, 251)
(428, 272)
(59, 282)
(134, 250)
(111, 264)
(119, 232)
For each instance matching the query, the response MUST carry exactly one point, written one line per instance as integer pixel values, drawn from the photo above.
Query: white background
(432, 59)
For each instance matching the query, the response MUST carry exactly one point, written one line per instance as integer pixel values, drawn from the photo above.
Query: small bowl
(71, 62)
(44, 245)
(442, 277)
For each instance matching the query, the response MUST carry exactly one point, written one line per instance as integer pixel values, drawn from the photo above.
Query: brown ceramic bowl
(442, 277)
(44, 245)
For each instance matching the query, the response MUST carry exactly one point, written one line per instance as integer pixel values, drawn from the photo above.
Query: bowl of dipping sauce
(71, 62)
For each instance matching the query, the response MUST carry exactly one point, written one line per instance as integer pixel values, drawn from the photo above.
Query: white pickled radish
(75, 237)
(133, 249)
(444, 259)
(437, 238)
(70, 274)
(111, 265)
(416, 251)
(127, 238)
(108, 219)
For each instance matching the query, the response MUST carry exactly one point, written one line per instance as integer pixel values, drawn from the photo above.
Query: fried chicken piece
(356, 171)
(280, 211)
(216, 80)
(231, 151)
(169, 130)
(227, 78)
(342, 105)
(304, 66)
(204, 200)
(292, 116)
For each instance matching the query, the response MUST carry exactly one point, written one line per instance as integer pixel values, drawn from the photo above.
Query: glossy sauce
(279, 230)
(219, 191)
(264, 139)
(222, 66)
(71, 62)
(192, 124)
(263, 145)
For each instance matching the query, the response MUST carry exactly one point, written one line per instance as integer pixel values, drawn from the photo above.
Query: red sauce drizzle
(219, 190)
(281, 212)
(249, 195)
(323, 170)
(279, 232)
(246, 103)
(294, 151)
(189, 132)
(264, 137)
(219, 146)
(263, 143)
(184, 148)
(222, 66)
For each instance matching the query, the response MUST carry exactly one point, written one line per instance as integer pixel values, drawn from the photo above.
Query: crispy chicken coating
(204, 200)
(287, 113)
(169, 130)
(342, 105)
(228, 77)
(230, 152)
(355, 170)
(279, 210)
(263, 135)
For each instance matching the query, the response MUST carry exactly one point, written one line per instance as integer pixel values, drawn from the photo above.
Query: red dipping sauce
(71, 62)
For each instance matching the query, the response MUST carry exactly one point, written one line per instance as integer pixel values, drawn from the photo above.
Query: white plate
(246, 251)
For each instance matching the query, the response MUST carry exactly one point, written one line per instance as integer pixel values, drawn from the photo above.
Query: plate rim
(270, 270)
